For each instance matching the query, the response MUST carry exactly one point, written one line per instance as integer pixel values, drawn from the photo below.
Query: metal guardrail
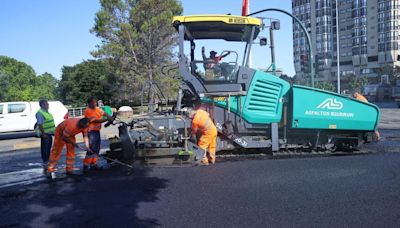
(76, 112)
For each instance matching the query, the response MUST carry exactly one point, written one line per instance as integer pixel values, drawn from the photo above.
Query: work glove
(193, 138)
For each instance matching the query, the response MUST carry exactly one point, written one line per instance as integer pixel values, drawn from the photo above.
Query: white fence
(76, 112)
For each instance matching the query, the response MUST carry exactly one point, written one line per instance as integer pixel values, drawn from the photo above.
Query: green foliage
(19, 82)
(287, 78)
(89, 78)
(4, 83)
(392, 72)
(325, 86)
(137, 39)
(357, 83)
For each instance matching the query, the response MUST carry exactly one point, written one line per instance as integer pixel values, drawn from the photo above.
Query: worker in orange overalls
(208, 141)
(65, 135)
(96, 117)
(360, 97)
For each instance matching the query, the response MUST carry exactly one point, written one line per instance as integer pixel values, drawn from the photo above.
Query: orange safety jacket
(94, 114)
(203, 122)
(69, 128)
(361, 98)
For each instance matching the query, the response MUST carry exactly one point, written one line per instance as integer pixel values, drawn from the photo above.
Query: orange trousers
(90, 159)
(56, 153)
(95, 143)
(208, 142)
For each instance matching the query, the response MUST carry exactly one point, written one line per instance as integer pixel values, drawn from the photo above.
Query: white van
(20, 116)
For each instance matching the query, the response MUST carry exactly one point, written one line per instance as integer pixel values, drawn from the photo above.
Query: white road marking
(22, 177)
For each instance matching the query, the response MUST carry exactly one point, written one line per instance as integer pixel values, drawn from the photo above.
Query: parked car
(370, 92)
(20, 116)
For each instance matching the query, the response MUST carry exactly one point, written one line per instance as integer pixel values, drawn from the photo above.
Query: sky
(48, 34)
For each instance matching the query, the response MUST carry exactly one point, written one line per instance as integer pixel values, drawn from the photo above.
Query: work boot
(204, 162)
(50, 175)
(211, 160)
(44, 166)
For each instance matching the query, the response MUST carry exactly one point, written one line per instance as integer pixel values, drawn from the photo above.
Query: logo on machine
(331, 103)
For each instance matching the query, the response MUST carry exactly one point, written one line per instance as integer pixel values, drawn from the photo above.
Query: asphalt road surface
(335, 191)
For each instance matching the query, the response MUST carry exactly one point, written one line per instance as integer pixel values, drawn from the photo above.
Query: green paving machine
(253, 110)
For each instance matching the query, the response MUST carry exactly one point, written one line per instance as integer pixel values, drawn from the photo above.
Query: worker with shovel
(202, 122)
(65, 136)
(97, 117)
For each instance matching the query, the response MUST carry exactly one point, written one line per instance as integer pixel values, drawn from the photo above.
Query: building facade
(368, 36)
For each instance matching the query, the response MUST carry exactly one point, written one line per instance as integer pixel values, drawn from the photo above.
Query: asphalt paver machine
(252, 109)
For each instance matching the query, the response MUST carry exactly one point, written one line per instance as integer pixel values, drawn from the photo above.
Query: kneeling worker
(208, 141)
(65, 135)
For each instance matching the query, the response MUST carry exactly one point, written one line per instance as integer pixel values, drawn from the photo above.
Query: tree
(89, 78)
(137, 39)
(357, 83)
(287, 78)
(325, 86)
(4, 83)
(19, 82)
(392, 72)
(46, 86)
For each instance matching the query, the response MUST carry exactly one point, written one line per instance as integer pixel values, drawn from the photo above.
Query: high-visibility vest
(107, 109)
(49, 126)
(361, 98)
(203, 122)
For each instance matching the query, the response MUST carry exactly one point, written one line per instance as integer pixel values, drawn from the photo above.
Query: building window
(363, 50)
(381, 47)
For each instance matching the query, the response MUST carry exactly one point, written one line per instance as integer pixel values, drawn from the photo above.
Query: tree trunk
(151, 96)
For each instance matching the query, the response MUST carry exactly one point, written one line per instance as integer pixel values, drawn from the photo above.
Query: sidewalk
(10, 145)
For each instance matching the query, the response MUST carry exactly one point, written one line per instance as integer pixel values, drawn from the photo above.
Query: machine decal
(327, 113)
(319, 109)
(233, 137)
(239, 140)
(237, 20)
(331, 103)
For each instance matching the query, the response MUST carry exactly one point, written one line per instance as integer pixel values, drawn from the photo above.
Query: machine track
(254, 155)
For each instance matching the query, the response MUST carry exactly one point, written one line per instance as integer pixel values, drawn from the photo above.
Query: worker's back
(203, 121)
(69, 127)
(361, 98)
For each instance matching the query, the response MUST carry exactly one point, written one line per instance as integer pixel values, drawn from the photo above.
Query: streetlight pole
(272, 46)
(310, 52)
(337, 47)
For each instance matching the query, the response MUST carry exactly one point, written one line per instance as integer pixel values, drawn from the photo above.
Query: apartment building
(368, 36)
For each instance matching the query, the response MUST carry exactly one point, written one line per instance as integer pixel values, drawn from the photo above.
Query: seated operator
(211, 61)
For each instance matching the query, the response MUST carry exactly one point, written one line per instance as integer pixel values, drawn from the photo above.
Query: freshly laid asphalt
(336, 191)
